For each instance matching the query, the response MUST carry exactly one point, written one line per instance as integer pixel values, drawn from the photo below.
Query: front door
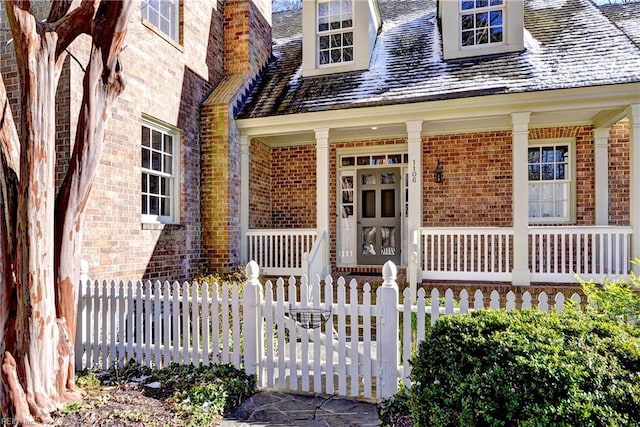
(379, 216)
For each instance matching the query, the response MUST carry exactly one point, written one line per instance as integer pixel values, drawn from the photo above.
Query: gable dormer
(481, 27)
(338, 35)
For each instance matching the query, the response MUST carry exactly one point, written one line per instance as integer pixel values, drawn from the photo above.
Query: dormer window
(335, 31)
(481, 22)
(338, 35)
(481, 27)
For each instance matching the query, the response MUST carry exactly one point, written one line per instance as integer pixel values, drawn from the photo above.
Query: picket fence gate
(317, 336)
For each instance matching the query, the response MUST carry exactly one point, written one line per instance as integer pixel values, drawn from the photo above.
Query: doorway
(379, 219)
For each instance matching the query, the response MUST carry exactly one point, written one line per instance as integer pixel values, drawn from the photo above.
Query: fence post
(252, 320)
(387, 332)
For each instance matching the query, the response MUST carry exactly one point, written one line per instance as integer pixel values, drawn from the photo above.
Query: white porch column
(415, 202)
(601, 155)
(322, 184)
(633, 114)
(520, 275)
(244, 196)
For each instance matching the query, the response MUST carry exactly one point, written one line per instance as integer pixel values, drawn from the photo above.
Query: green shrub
(395, 411)
(527, 368)
(615, 298)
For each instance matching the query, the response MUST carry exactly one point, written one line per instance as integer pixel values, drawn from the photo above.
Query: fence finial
(389, 273)
(252, 270)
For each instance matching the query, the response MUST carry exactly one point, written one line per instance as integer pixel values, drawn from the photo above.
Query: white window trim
(175, 193)
(175, 21)
(330, 32)
(451, 31)
(572, 167)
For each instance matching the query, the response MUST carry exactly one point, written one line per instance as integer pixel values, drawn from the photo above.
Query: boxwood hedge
(527, 368)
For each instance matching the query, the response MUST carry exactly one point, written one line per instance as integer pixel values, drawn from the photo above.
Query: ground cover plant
(527, 368)
(135, 395)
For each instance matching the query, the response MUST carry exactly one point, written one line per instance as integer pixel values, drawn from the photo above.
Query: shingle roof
(568, 44)
(626, 16)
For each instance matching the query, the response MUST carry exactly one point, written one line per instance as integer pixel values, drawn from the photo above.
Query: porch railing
(314, 262)
(596, 252)
(556, 253)
(475, 253)
(280, 251)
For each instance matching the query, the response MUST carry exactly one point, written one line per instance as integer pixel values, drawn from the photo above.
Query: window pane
(145, 136)
(154, 184)
(154, 205)
(388, 178)
(336, 40)
(482, 3)
(146, 158)
(496, 35)
(482, 20)
(165, 209)
(534, 173)
(496, 2)
(323, 42)
(388, 237)
(368, 240)
(348, 54)
(467, 22)
(168, 164)
(155, 161)
(547, 172)
(168, 144)
(467, 4)
(348, 161)
(156, 140)
(347, 39)
(143, 184)
(324, 57)
(467, 38)
(323, 24)
(368, 179)
(336, 56)
(482, 36)
(560, 171)
(495, 18)
(534, 155)
(145, 204)
(323, 9)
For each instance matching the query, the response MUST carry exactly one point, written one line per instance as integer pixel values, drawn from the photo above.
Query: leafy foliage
(527, 368)
(395, 411)
(615, 298)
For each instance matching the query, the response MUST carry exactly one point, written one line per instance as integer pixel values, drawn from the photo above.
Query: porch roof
(568, 44)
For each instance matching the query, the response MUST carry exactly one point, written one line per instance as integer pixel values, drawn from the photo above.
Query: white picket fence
(323, 337)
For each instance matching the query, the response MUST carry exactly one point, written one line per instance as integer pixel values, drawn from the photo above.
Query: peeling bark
(40, 261)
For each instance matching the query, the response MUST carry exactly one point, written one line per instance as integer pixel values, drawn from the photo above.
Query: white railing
(557, 253)
(333, 338)
(314, 262)
(474, 253)
(280, 251)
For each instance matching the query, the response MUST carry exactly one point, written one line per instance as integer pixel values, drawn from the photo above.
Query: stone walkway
(272, 408)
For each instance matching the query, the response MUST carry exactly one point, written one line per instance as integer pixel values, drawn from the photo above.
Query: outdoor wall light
(437, 173)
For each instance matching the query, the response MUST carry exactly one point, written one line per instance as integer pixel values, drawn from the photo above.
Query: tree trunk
(39, 271)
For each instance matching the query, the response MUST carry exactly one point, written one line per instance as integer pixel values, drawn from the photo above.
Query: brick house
(465, 140)
(474, 140)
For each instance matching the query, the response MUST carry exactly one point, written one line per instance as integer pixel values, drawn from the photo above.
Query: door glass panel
(368, 240)
(388, 200)
(388, 178)
(368, 179)
(388, 235)
(368, 204)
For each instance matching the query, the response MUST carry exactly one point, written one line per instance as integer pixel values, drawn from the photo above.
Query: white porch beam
(244, 196)
(322, 183)
(633, 113)
(605, 119)
(415, 202)
(601, 155)
(520, 275)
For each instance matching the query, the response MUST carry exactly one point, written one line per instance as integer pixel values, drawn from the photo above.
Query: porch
(554, 254)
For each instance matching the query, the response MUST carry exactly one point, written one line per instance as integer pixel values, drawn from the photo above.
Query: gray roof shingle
(568, 44)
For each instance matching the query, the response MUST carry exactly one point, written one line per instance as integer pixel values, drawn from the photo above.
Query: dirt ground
(121, 405)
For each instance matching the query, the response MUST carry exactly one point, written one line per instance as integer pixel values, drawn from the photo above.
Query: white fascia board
(595, 97)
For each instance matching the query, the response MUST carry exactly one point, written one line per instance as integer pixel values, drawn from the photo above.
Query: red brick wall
(260, 186)
(476, 189)
(619, 174)
(294, 187)
(166, 81)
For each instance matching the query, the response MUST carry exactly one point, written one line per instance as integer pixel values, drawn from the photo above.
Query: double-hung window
(550, 183)
(163, 14)
(335, 31)
(481, 22)
(160, 154)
